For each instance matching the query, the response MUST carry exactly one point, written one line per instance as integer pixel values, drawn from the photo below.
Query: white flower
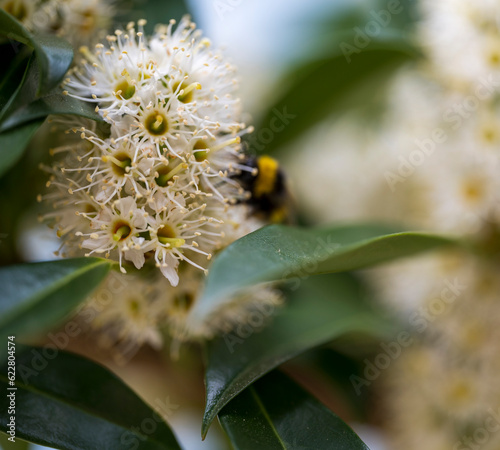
(160, 188)
(118, 227)
(174, 73)
(84, 21)
(464, 195)
(162, 181)
(175, 229)
(130, 316)
(252, 308)
(461, 39)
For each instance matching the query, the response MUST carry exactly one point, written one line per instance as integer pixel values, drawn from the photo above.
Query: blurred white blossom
(431, 162)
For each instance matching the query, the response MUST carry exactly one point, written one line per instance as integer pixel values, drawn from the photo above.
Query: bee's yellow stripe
(279, 215)
(266, 178)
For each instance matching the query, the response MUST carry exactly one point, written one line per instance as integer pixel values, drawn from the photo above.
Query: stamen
(156, 124)
(162, 179)
(171, 242)
(84, 50)
(236, 140)
(122, 233)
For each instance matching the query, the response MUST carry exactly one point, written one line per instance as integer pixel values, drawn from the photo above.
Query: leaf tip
(205, 425)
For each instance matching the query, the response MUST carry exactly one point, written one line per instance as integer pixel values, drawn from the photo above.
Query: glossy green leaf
(22, 107)
(280, 253)
(54, 55)
(13, 73)
(25, 91)
(277, 414)
(22, 115)
(13, 142)
(320, 310)
(55, 103)
(327, 85)
(35, 297)
(67, 402)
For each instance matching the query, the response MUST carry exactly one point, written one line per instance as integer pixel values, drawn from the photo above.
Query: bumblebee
(268, 197)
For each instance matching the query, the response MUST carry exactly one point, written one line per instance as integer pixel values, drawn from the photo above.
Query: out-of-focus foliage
(154, 11)
(318, 310)
(347, 66)
(67, 402)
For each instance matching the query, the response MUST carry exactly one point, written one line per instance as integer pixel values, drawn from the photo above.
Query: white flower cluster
(449, 373)
(129, 311)
(461, 39)
(159, 186)
(156, 184)
(431, 162)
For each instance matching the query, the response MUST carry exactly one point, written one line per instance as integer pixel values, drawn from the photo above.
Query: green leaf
(320, 310)
(55, 103)
(338, 368)
(25, 91)
(280, 253)
(14, 72)
(21, 116)
(326, 85)
(35, 297)
(22, 106)
(154, 11)
(54, 55)
(13, 142)
(67, 402)
(275, 414)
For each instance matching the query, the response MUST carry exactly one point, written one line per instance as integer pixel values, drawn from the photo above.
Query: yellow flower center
(124, 90)
(121, 231)
(186, 91)
(167, 236)
(200, 150)
(156, 124)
